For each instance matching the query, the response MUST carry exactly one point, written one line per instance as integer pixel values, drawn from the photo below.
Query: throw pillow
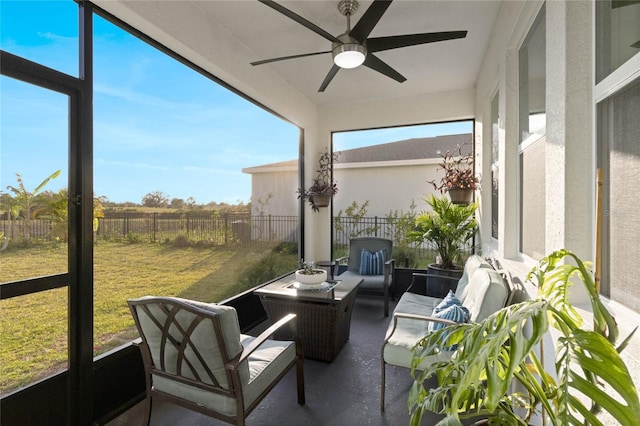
(450, 308)
(457, 313)
(372, 263)
(449, 300)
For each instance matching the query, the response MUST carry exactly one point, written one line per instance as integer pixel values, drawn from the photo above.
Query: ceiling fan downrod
(348, 8)
(349, 53)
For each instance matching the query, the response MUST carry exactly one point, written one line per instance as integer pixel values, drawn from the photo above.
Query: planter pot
(402, 280)
(320, 200)
(439, 287)
(460, 195)
(311, 280)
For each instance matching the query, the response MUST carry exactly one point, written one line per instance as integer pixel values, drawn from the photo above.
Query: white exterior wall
(387, 185)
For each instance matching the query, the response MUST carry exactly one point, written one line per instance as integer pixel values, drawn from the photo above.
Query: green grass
(33, 328)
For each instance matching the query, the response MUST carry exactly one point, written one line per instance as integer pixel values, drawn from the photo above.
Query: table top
(335, 291)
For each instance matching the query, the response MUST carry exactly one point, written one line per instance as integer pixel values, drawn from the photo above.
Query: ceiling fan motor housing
(349, 53)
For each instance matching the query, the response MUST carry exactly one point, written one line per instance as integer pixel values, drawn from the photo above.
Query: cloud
(56, 37)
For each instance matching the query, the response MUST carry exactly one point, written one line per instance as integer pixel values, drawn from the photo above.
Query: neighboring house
(390, 176)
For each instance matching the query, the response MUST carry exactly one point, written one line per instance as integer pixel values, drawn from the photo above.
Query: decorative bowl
(310, 280)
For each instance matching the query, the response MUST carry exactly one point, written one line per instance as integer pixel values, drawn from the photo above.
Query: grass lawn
(33, 328)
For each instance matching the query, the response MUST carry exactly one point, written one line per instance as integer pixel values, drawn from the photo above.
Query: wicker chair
(372, 283)
(195, 357)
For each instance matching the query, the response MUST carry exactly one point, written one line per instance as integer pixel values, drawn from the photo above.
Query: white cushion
(398, 350)
(265, 364)
(487, 293)
(473, 263)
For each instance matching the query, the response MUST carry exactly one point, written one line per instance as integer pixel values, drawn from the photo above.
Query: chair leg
(300, 373)
(382, 388)
(147, 411)
(386, 305)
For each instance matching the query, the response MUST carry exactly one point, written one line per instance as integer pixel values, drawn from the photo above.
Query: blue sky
(157, 124)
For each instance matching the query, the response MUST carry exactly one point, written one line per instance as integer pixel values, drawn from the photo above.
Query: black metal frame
(95, 389)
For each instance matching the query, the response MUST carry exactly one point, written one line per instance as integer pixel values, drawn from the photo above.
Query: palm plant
(503, 349)
(448, 226)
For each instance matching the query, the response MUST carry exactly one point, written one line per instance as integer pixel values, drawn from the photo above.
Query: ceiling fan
(354, 47)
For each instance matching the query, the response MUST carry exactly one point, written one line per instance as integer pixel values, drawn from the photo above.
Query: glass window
(617, 34)
(195, 186)
(45, 32)
(495, 165)
(531, 151)
(532, 64)
(619, 133)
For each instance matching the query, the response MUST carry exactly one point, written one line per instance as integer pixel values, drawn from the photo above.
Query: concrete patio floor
(344, 392)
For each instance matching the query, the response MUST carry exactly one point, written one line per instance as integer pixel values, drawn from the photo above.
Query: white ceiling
(265, 33)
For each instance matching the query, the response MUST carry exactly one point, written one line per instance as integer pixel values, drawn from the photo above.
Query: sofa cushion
(486, 294)
(399, 348)
(372, 263)
(473, 263)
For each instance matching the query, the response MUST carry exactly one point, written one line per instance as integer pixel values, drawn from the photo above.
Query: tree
(24, 200)
(177, 203)
(155, 199)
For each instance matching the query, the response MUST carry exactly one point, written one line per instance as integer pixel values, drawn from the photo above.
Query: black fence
(215, 229)
(222, 229)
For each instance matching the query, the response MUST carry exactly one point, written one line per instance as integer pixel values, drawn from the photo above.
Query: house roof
(407, 149)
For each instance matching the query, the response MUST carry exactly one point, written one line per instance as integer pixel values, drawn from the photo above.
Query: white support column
(570, 162)
(508, 174)
(317, 227)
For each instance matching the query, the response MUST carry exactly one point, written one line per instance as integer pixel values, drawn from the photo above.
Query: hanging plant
(322, 187)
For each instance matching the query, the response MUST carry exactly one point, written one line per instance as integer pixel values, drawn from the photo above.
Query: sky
(158, 125)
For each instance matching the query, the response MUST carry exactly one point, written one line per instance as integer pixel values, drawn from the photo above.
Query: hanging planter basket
(320, 200)
(460, 195)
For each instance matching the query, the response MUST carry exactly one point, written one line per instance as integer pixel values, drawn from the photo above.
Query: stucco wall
(388, 186)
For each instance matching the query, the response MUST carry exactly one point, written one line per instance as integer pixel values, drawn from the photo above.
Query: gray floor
(344, 392)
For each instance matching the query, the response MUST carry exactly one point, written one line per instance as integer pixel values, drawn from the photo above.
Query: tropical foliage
(448, 226)
(458, 172)
(504, 350)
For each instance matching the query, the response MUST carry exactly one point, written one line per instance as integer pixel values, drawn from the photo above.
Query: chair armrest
(341, 259)
(255, 344)
(417, 317)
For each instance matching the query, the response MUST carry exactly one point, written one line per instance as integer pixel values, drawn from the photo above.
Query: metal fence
(216, 229)
(222, 229)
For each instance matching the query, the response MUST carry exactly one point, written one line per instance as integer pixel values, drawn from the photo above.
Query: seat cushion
(399, 349)
(265, 365)
(370, 282)
(202, 336)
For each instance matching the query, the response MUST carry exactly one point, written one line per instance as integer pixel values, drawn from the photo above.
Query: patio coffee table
(323, 315)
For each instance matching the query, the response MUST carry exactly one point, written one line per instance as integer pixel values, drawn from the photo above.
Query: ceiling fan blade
(377, 64)
(369, 20)
(378, 44)
(284, 58)
(332, 73)
(300, 20)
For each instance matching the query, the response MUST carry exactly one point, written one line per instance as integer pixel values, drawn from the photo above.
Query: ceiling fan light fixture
(349, 55)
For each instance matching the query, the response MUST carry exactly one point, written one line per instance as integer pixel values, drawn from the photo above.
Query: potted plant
(449, 227)
(322, 187)
(505, 350)
(459, 180)
(309, 276)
